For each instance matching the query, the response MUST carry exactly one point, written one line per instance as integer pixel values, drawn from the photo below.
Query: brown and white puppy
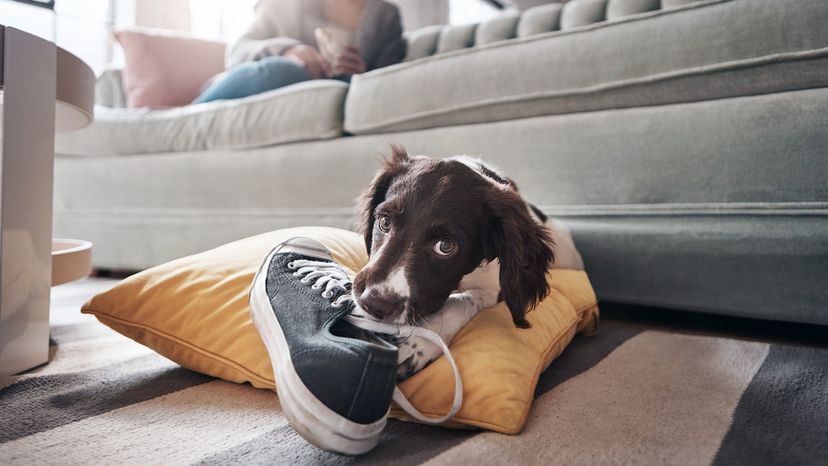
(447, 238)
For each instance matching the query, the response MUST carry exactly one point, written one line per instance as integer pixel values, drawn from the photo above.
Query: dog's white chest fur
(478, 290)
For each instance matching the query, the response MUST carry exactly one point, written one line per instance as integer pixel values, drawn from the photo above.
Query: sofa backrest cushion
(422, 42)
(637, 59)
(542, 19)
(582, 13)
(621, 8)
(456, 37)
(501, 28)
(109, 88)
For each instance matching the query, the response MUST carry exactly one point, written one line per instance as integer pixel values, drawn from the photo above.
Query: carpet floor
(637, 393)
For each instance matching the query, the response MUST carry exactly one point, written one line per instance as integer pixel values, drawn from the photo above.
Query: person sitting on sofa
(280, 47)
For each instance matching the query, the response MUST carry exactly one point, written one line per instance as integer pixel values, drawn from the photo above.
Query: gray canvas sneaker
(335, 374)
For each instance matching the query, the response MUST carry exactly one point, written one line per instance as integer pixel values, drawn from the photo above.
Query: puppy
(446, 239)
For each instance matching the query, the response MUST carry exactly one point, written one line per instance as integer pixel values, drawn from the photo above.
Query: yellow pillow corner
(194, 311)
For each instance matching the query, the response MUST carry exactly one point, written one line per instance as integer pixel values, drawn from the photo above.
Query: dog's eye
(445, 247)
(384, 223)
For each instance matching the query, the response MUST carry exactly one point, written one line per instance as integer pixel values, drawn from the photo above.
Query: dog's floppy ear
(375, 194)
(524, 248)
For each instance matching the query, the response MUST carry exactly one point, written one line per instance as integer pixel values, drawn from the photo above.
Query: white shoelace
(404, 331)
(332, 278)
(327, 274)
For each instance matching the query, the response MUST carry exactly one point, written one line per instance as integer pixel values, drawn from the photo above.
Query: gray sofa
(685, 143)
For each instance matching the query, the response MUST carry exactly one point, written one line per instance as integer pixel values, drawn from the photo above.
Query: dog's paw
(482, 285)
(414, 354)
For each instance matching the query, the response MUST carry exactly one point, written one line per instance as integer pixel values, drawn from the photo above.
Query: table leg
(26, 171)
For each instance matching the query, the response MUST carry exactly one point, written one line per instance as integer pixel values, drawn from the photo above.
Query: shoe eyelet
(291, 265)
(327, 295)
(304, 280)
(315, 286)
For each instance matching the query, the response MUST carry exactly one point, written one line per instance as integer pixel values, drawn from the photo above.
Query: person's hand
(310, 59)
(349, 62)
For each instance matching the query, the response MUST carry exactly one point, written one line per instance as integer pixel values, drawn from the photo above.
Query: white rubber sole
(314, 421)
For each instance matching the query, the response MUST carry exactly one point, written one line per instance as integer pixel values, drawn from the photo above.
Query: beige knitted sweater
(280, 24)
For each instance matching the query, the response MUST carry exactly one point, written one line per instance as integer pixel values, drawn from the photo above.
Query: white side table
(43, 89)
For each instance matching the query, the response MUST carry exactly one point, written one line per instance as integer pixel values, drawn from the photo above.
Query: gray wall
(419, 13)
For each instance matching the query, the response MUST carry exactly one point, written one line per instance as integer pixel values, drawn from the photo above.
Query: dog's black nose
(381, 305)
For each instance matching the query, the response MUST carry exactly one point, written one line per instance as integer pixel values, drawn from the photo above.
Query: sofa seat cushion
(305, 111)
(698, 51)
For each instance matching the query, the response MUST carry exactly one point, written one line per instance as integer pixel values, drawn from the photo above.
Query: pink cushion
(166, 70)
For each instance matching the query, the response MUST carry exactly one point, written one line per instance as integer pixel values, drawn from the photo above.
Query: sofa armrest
(109, 89)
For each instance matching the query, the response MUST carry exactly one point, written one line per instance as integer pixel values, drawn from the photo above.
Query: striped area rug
(631, 395)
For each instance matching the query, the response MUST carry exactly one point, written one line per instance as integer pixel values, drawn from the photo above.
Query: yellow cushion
(194, 311)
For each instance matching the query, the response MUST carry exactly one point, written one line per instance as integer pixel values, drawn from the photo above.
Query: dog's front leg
(478, 291)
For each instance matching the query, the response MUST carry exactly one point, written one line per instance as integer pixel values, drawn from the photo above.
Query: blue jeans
(253, 78)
